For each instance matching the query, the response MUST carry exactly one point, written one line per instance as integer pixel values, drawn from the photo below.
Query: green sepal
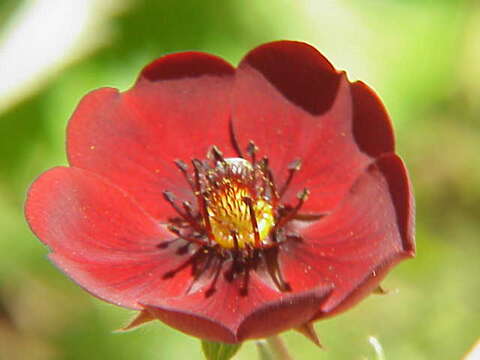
(219, 351)
(264, 352)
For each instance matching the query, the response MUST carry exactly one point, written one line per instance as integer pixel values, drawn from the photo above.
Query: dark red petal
(226, 316)
(372, 127)
(297, 71)
(188, 64)
(353, 248)
(101, 238)
(179, 107)
(267, 108)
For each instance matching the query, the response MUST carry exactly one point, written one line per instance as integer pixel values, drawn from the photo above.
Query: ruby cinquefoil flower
(229, 203)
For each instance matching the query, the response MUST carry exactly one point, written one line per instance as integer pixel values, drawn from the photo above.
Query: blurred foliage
(6, 8)
(422, 58)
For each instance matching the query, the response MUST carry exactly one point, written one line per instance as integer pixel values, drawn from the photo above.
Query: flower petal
(355, 246)
(227, 316)
(293, 104)
(372, 127)
(101, 238)
(179, 107)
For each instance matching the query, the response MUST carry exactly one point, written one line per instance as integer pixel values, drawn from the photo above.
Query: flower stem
(278, 348)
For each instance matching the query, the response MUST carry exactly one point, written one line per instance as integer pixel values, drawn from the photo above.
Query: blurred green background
(422, 57)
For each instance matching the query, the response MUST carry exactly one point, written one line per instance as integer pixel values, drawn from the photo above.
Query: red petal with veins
(353, 247)
(228, 317)
(179, 107)
(101, 238)
(292, 103)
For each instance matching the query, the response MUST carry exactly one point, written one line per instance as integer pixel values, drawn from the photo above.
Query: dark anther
(174, 229)
(169, 196)
(251, 151)
(303, 195)
(183, 167)
(293, 167)
(264, 162)
(197, 167)
(217, 154)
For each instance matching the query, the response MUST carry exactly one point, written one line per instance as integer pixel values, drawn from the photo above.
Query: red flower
(229, 203)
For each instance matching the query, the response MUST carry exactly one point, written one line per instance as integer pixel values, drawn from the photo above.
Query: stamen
(165, 244)
(198, 273)
(184, 169)
(251, 151)
(238, 218)
(170, 274)
(273, 268)
(170, 198)
(271, 182)
(217, 154)
(235, 243)
(310, 217)
(302, 197)
(253, 219)
(202, 205)
(188, 210)
(293, 167)
(177, 232)
(211, 289)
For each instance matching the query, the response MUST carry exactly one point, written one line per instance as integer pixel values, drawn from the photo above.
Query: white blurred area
(43, 36)
(474, 353)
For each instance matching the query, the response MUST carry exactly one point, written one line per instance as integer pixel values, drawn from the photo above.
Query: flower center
(238, 220)
(238, 216)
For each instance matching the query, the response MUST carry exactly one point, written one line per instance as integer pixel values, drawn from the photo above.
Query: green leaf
(219, 351)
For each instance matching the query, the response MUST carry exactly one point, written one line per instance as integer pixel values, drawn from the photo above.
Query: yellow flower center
(235, 214)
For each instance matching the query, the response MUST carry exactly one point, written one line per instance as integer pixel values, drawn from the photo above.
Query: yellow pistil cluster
(230, 215)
